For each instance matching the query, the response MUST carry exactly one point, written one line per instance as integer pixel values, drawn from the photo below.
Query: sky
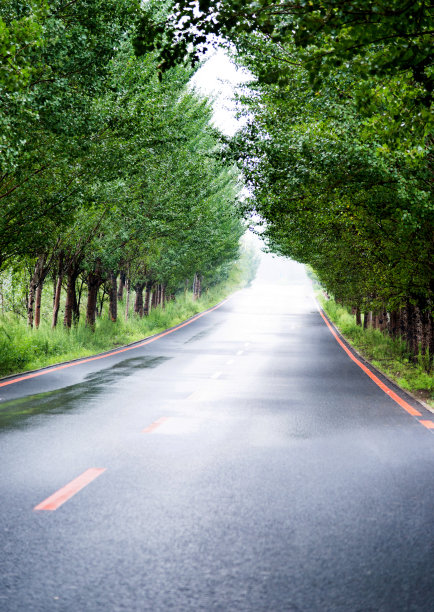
(218, 78)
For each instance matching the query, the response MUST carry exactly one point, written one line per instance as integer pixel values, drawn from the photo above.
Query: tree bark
(113, 304)
(38, 303)
(56, 304)
(358, 316)
(31, 302)
(94, 282)
(367, 321)
(197, 286)
(154, 297)
(71, 298)
(146, 309)
(122, 286)
(101, 303)
(127, 302)
(38, 277)
(138, 304)
(382, 320)
(394, 327)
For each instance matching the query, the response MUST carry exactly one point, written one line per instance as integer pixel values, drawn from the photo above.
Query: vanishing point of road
(243, 462)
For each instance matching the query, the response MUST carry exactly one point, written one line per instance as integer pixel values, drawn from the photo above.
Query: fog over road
(246, 463)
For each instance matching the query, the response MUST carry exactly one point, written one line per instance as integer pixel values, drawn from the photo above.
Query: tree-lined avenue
(250, 464)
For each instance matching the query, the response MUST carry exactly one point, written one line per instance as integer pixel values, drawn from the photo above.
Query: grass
(389, 355)
(23, 349)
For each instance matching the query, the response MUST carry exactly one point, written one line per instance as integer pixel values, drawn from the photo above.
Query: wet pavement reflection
(15, 413)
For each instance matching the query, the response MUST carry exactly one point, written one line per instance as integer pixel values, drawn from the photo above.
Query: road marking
(428, 424)
(371, 375)
(246, 344)
(62, 495)
(154, 425)
(116, 352)
(240, 353)
(216, 375)
(230, 362)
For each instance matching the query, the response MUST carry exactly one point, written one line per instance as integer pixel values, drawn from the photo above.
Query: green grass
(23, 349)
(389, 355)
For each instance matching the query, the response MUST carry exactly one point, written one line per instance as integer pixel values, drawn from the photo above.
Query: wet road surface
(245, 463)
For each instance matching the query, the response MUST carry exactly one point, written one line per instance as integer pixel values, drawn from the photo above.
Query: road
(244, 463)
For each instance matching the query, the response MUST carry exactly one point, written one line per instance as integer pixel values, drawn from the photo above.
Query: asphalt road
(247, 463)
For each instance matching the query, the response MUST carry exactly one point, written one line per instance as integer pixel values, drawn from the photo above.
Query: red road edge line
(428, 424)
(62, 495)
(371, 375)
(116, 352)
(154, 425)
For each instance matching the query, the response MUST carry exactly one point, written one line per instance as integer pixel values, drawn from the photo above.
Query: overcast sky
(218, 78)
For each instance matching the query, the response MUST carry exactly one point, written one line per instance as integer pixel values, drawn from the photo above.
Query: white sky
(218, 78)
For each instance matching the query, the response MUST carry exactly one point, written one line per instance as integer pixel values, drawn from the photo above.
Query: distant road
(241, 463)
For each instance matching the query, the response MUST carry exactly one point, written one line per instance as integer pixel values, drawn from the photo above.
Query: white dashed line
(216, 375)
(240, 352)
(230, 362)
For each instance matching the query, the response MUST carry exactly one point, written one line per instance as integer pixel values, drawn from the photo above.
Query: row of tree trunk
(148, 295)
(413, 323)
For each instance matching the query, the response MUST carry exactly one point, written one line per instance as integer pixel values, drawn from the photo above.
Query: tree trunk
(163, 296)
(122, 286)
(197, 286)
(113, 304)
(411, 334)
(101, 303)
(94, 282)
(394, 325)
(56, 304)
(138, 304)
(367, 321)
(358, 316)
(127, 303)
(38, 303)
(147, 298)
(37, 278)
(382, 320)
(154, 298)
(31, 302)
(403, 322)
(71, 298)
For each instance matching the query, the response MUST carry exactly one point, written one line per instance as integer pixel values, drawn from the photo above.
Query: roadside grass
(23, 349)
(389, 355)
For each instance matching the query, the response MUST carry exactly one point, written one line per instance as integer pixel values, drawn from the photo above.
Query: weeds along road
(242, 462)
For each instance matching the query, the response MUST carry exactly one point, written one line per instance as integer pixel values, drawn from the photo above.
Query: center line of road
(240, 352)
(216, 375)
(154, 425)
(62, 495)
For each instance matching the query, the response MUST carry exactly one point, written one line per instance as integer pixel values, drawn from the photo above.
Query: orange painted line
(428, 424)
(372, 376)
(154, 425)
(116, 352)
(62, 495)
